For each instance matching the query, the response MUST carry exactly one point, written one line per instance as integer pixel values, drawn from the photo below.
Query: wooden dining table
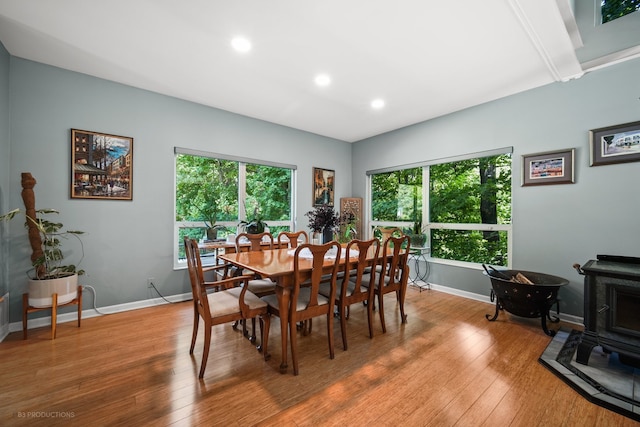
(277, 264)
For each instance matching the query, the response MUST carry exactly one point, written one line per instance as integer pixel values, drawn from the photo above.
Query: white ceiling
(425, 58)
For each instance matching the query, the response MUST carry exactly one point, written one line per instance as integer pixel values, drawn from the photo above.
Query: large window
(465, 209)
(614, 9)
(215, 190)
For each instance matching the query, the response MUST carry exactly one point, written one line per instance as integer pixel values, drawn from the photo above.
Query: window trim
(428, 226)
(242, 162)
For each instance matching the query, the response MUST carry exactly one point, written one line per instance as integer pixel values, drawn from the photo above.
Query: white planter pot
(41, 291)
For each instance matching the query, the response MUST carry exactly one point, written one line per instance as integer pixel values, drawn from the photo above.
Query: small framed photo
(615, 144)
(551, 167)
(101, 166)
(323, 186)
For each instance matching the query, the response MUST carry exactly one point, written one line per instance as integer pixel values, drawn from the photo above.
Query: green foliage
(397, 195)
(49, 264)
(475, 191)
(206, 189)
(613, 9)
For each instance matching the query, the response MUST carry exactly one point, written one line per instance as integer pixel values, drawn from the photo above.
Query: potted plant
(49, 275)
(347, 227)
(324, 219)
(417, 236)
(209, 213)
(254, 225)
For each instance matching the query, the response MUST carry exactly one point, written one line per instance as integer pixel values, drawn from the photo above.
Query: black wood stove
(611, 307)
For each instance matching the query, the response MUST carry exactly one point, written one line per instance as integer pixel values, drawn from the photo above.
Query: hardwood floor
(447, 366)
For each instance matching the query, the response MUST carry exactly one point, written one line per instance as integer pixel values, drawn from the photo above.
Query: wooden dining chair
(350, 289)
(257, 285)
(292, 238)
(394, 274)
(306, 301)
(231, 302)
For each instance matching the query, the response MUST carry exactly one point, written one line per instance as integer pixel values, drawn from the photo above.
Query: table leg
(284, 295)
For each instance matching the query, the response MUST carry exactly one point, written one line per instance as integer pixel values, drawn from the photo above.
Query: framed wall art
(551, 167)
(323, 186)
(615, 144)
(101, 166)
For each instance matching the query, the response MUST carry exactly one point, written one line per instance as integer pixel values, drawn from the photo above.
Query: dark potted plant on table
(209, 213)
(325, 220)
(49, 275)
(418, 236)
(255, 224)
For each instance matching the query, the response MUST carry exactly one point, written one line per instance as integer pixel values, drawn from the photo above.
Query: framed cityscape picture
(615, 144)
(323, 186)
(551, 167)
(101, 166)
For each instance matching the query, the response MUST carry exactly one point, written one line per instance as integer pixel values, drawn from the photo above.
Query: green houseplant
(48, 274)
(255, 224)
(209, 213)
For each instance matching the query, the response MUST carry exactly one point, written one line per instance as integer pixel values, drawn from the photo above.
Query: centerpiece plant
(325, 220)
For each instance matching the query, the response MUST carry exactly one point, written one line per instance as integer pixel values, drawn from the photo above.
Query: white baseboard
(73, 316)
(88, 313)
(486, 298)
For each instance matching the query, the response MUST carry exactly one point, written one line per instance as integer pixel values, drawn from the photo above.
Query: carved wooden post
(29, 199)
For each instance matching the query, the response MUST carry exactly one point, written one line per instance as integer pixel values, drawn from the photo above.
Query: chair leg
(205, 351)
(330, 334)
(263, 347)
(381, 311)
(343, 325)
(196, 322)
(294, 346)
(370, 318)
(252, 338)
(401, 295)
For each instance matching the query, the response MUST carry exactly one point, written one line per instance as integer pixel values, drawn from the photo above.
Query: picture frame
(101, 166)
(550, 167)
(615, 144)
(323, 186)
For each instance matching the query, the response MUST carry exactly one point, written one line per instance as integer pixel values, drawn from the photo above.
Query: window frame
(179, 264)
(429, 226)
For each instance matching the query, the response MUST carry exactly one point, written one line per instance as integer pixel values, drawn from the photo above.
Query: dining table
(278, 264)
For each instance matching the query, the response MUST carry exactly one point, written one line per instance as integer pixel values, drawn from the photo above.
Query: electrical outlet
(150, 281)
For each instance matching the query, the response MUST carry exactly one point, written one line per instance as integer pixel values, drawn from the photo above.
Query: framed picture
(323, 186)
(552, 167)
(615, 144)
(101, 166)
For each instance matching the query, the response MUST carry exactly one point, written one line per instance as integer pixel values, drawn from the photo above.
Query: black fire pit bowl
(525, 300)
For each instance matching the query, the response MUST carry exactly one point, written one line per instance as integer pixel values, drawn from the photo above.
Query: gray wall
(128, 241)
(554, 226)
(4, 164)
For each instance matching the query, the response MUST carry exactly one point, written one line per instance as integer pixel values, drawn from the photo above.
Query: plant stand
(26, 309)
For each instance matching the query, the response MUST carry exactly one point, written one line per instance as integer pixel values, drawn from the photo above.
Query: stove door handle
(603, 309)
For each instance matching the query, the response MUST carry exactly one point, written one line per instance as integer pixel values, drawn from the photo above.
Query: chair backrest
(395, 272)
(318, 272)
(357, 266)
(386, 232)
(196, 276)
(292, 238)
(257, 242)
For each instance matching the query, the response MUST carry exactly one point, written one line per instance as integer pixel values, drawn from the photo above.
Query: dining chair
(292, 238)
(393, 276)
(351, 290)
(257, 285)
(306, 301)
(231, 302)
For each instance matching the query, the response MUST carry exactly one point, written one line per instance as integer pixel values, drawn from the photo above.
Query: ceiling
(425, 58)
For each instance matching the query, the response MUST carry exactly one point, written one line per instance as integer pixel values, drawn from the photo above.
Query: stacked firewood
(521, 278)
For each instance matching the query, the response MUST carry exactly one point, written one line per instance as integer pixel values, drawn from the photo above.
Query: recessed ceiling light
(377, 103)
(323, 80)
(241, 44)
